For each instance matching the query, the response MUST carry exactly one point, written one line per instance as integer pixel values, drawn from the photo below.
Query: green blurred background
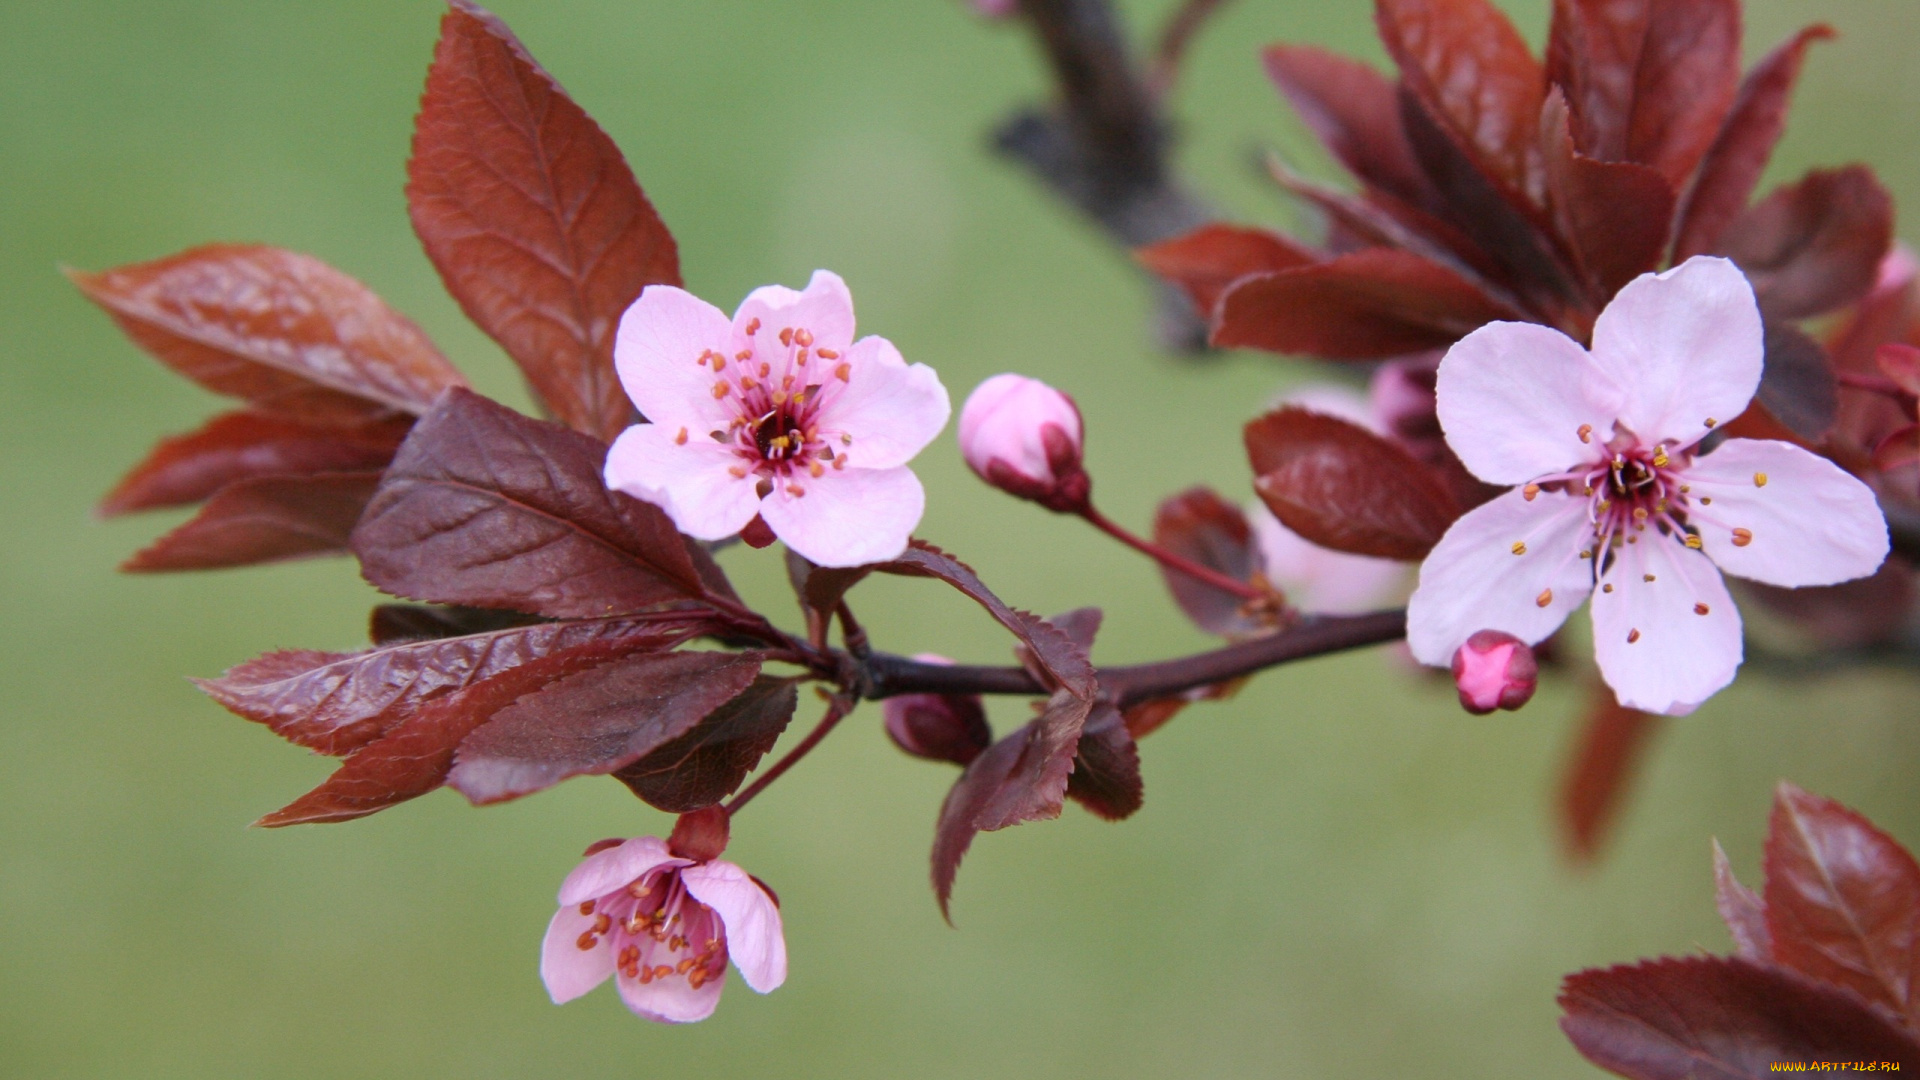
(1337, 874)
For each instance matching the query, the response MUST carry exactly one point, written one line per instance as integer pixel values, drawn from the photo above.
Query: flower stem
(837, 709)
(1168, 559)
(1874, 384)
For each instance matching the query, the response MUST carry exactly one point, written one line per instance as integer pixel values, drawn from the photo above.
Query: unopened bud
(700, 835)
(1494, 670)
(939, 727)
(1025, 438)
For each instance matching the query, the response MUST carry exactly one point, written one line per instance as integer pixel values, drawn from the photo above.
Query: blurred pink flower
(779, 413)
(1615, 499)
(1025, 438)
(664, 927)
(1494, 670)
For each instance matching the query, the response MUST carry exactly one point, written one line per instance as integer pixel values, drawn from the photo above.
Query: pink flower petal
(824, 309)
(1472, 580)
(891, 409)
(671, 1000)
(1668, 644)
(755, 941)
(657, 351)
(1514, 399)
(604, 871)
(566, 968)
(1687, 345)
(1321, 580)
(848, 517)
(690, 481)
(1807, 521)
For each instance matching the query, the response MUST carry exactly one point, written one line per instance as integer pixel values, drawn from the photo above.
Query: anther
(796, 490)
(1711, 421)
(840, 462)
(1693, 541)
(747, 383)
(743, 355)
(1529, 492)
(1585, 433)
(719, 362)
(680, 439)
(1608, 587)
(1639, 513)
(765, 369)
(779, 397)
(844, 372)
(1660, 458)
(803, 336)
(753, 326)
(1647, 578)
(1587, 554)
(721, 389)
(1519, 547)
(1684, 488)
(815, 469)
(1759, 479)
(1633, 636)
(1706, 500)
(738, 472)
(1545, 598)
(1699, 609)
(786, 337)
(586, 941)
(1742, 537)
(827, 354)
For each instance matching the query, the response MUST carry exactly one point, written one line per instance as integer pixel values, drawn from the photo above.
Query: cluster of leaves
(1826, 964)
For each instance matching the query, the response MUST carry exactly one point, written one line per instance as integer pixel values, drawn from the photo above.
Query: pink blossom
(1494, 670)
(664, 928)
(1025, 438)
(1614, 496)
(1317, 579)
(779, 413)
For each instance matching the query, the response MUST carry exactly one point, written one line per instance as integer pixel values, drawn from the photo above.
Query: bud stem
(837, 709)
(1168, 559)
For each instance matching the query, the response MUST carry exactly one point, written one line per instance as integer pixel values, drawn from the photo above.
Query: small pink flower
(1615, 498)
(1315, 579)
(778, 413)
(664, 928)
(1494, 670)
(1025, 438)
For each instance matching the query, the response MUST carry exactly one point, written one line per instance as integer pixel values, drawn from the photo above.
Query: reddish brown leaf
(1613, 214)
(1593, 55)
(1211, 531)
(1106, 767)
(1843, 901)
(1606, 756)
(1743, 911)
(1064, 661)
(337, 702)
(393, 623)
(1345, 488)
(1861, 613)
(1207, 260)
(1469, 66)
(707, 763)
(821, 588)
(281, 330)
(414, 757)
(244, 445)
(1367, 305)
(1797, 385)
(1815, 245)
(266, 519)
(1740, 152)
(1150, 716)
(596, 721)
(1353, 110)
(1023, 777)
(532, 217)
(489, 508)
(1707, 1018)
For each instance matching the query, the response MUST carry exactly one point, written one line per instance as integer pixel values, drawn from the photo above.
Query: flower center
(658, 931)
(777, 401)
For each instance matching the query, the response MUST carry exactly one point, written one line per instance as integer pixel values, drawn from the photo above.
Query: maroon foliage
(1742, 910)
(707, 763)
(532, 217)
(1707, 1018)
(285, 332)
(1815, 245)
(1205, 262)
(1342, 487)
(415, 756)
(489, 508)
(1363, 306)
(1607, 751)
(263, 519)
(1472, 71)
(938, 727)
(1739, 154)
(245, 445)
(1843, 901)
(1106, 766)
(337, 702)
(596, 721)
(1023, 777)
(1797, 386)
(391, 623)
(1356, 113)
(1199, 525)
(1613, 214)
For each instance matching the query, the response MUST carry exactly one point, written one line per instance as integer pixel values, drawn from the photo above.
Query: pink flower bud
(1494, 670)
(938, 727)
(1024, 437)
(995, 9)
